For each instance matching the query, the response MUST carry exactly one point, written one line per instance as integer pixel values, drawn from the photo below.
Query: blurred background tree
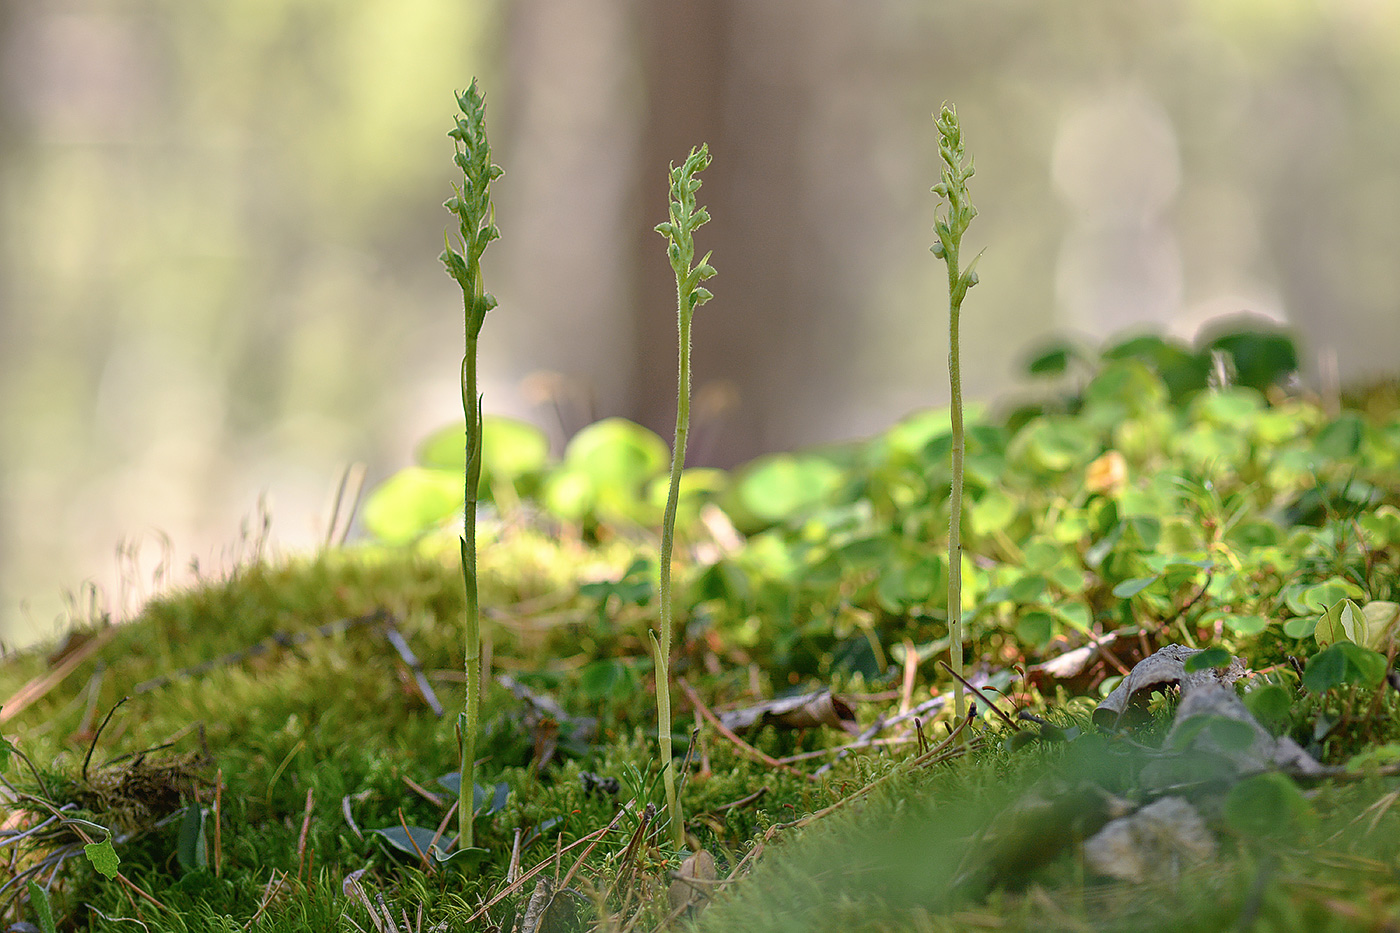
(219, 227)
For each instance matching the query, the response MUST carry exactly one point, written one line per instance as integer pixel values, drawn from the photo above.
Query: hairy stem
(471, 717)
(668, 525)
(955, 626)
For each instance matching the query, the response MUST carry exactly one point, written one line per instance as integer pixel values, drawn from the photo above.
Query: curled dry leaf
(1165, 667)
(822, 708)
(1166, 834)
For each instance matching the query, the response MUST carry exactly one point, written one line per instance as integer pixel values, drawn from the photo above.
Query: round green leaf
(1246, 625)
(1055, 444)
(617, 453)
(1214, 656)
(1271, 705)
(1035, 628)
(783, 486)
(411, 503)
(1265, 806)
(1341, 664)
(1261, 356)
(569, 494)
(1231, 407)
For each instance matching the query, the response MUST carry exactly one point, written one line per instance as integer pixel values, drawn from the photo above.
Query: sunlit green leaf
(1246, 625)
(783, 486)
(103, 857)
(617, 453)
(1343, 621)
(1130, 588)
(411, 503)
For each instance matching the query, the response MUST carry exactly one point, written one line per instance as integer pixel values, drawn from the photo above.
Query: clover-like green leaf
(1342, 664)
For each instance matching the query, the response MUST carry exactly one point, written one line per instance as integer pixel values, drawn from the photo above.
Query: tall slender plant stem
(472, 205)
(468, 723)
(955, 620)
(668, 524)
(950, 229)
(679, 230)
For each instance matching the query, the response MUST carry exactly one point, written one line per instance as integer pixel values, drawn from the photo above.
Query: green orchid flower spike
(476, 229)
(950, 227)
(679, 231)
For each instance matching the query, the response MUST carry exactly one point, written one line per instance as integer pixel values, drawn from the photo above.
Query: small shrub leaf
(104, 858)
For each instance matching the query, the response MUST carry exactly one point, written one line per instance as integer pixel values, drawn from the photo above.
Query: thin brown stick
(403, 824)
(977, 692)
(627, 868)
(744, 747)
(867, 737)
(843, 749)
(436, 800)
(269, 892)
(741, 802)
(126, 882)
(442, 827)
(578, 862)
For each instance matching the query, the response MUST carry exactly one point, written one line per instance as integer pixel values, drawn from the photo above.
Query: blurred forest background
(219, 229)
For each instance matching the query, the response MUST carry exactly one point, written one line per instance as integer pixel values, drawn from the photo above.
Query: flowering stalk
(472, 205)
(679, 232)
(950, 228)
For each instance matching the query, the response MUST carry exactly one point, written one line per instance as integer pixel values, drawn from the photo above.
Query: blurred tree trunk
(712, 78)
(8, 145)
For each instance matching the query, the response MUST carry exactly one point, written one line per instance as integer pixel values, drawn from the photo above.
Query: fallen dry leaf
(822, 708)
(1165, 667)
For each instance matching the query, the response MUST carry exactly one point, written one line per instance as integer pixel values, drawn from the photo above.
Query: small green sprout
(476, 215)
(950, 228)
(679, 231)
